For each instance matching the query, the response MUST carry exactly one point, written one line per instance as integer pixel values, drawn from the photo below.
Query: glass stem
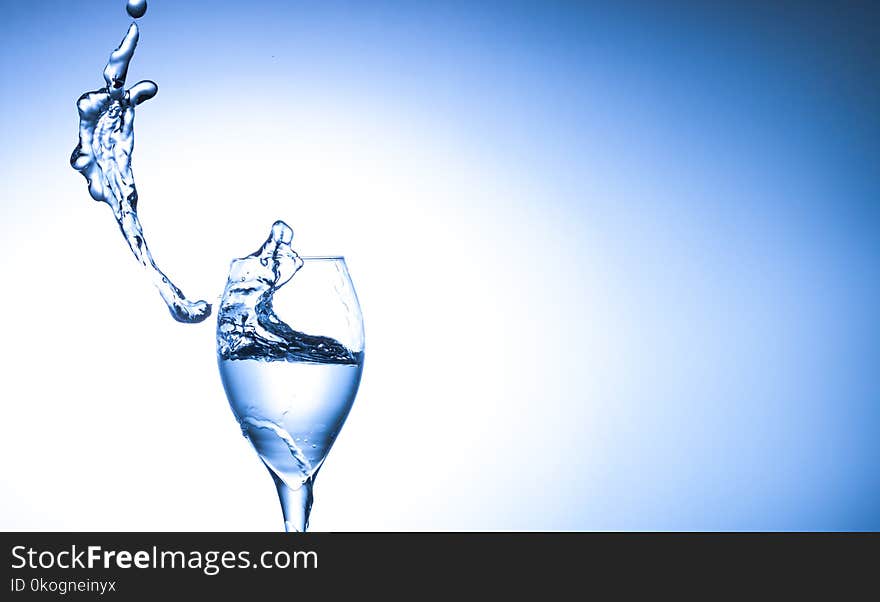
(296, 504)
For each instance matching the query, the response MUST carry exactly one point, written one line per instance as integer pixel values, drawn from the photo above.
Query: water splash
(247, 327)
(103, 157)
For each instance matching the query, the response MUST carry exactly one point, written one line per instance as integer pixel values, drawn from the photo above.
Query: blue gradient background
(618, 265)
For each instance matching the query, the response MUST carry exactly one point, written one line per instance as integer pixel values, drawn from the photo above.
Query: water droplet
(136, 8)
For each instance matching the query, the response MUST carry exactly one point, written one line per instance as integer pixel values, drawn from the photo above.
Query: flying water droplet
(136, 8)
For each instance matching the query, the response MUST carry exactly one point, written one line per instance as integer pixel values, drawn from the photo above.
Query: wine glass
(291, 405)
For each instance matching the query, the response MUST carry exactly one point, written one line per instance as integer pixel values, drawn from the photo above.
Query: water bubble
(136, 8)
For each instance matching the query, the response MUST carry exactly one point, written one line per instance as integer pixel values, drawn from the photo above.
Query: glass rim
(322, 257)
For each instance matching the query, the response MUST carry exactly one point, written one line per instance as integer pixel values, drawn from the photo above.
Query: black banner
(134, 566)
